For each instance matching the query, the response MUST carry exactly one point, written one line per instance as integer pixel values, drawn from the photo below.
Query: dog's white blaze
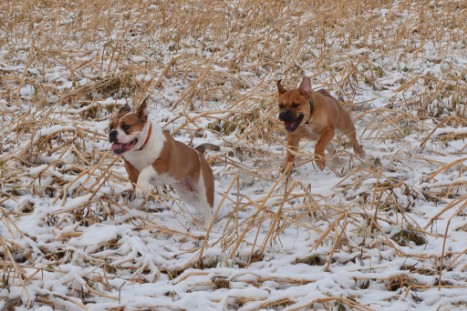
(142, 136)
(124, 138)
(141, 159)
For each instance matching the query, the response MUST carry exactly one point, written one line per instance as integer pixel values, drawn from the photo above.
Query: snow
(73, 236)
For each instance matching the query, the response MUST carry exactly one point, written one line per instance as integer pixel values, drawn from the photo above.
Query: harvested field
(385, 232)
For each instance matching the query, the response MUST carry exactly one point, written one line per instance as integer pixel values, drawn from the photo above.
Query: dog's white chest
(146, 157)
(312, 130)
(139, 160)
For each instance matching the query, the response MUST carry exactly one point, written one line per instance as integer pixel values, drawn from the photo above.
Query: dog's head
(127, 129)
(294, 105)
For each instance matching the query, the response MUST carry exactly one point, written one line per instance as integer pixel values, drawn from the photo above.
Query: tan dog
(315, 115)
(153, 157)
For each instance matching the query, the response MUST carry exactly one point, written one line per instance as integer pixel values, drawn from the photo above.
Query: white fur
(196, 199)
(140, 159)
(123, 138)
(144, 179)
(201, 204)
(148, 176)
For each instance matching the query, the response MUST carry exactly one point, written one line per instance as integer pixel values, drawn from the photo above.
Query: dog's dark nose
(285, 115)
(113, 135)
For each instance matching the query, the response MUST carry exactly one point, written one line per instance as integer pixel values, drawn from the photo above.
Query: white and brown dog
(153, 157)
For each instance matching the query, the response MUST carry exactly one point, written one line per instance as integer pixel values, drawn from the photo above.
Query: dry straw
(73, 56)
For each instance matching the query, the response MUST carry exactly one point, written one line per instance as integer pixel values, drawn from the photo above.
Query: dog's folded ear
(280, 88)
(305, 86)
(142, 111)
(124, 109)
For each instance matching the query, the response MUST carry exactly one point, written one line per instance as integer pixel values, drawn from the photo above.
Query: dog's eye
(125, 127)
(281, 106)
(295, 105)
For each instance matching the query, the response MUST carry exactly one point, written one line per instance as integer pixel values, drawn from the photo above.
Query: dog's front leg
(132, 172)
(293, 141)
(325, 139)
(144, 180)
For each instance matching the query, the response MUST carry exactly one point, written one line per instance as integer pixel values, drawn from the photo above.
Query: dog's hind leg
(206, 197)
(347, 127)
(357, 148)
(194, 194)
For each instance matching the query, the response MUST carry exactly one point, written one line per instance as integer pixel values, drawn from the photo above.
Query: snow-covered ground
(387, 232)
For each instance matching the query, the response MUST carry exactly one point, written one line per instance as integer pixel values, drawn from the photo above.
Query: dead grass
(66, 66)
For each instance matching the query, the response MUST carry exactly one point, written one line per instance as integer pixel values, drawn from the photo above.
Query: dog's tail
(203, 147)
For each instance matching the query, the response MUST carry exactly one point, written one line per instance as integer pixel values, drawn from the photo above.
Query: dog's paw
(287, 168)
(337, 166)
(128, 194)
(336, 162)
(198, 223)
(320, 161)
(140, 193)
(137, 203)
(359, 151)
(206, 225)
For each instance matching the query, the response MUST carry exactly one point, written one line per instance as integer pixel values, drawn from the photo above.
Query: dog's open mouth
(121, 148)
(291, 126)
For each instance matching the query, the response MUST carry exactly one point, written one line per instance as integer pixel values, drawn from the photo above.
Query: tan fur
(181, 162)
(327, 116)
(132, 172)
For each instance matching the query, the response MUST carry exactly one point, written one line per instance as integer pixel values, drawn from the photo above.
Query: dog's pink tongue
(116, 146)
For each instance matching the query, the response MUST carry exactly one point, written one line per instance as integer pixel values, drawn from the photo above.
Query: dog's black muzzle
(113, 136)
(291, 120)
(286, 116)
